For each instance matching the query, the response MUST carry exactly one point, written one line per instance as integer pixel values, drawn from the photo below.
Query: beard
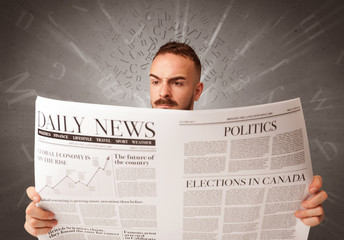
(172, 103)
(165, 101)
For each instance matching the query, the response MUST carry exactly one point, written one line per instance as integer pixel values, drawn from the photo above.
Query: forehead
(168, 65)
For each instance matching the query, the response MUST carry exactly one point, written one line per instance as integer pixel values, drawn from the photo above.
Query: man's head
(175, 77)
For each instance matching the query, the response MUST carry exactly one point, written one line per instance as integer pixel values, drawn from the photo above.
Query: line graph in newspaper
(67, 172)
(80, 185)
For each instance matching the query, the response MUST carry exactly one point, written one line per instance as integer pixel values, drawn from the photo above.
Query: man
(175, 84)
(175, 77)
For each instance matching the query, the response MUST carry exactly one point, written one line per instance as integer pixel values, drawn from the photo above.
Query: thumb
(32, 194)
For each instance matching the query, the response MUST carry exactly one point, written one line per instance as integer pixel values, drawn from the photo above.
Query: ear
(198, 91)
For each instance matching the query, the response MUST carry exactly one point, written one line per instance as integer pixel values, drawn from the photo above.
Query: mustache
(165, 101)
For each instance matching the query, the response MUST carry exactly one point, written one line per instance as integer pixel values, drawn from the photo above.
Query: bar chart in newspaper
(75, 174)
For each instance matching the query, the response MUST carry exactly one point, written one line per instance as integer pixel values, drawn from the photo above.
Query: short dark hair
(181, 49)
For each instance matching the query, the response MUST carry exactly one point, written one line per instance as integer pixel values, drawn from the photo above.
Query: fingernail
(298, 215)
(305, 205)
(52, 216)
(313, 190)
(35, 199)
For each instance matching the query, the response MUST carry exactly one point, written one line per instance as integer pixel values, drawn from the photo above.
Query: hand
(38, 221)
(314, 212)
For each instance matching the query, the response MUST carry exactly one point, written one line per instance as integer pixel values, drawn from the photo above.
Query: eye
(154, 82)
(179, 84)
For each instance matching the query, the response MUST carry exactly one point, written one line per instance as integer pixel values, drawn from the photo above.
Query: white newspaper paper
(117, 173)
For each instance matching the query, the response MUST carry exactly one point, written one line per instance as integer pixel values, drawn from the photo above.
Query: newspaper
(119, 173)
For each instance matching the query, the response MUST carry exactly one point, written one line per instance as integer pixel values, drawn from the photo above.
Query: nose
(165, 91)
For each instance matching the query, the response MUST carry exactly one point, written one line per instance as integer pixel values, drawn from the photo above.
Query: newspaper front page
(116, 173)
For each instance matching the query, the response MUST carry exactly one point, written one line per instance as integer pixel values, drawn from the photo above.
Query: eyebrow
(169, 79)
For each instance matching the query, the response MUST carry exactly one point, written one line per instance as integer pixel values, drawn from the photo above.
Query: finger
(38, 213)
(36, 231)
(313, 221)
(38, 223)
(32, 194)
(316, 184)
(313, 212)
(315, 200)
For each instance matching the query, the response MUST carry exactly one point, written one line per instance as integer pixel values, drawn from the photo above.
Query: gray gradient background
(100, 51)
